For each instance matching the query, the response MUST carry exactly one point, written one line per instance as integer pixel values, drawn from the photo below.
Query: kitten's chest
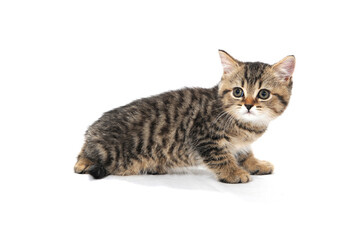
(240, 139)
(238, 145)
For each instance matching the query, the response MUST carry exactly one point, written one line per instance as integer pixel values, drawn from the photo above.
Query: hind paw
(82, 165)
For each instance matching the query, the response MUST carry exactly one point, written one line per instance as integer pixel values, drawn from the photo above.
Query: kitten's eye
(238, 92)
(264, 94)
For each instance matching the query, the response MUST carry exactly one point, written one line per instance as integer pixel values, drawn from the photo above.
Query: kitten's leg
(223, 164)
(255, 166)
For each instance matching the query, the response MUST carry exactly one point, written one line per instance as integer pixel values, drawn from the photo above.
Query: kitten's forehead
(250, 75)
(253, 71)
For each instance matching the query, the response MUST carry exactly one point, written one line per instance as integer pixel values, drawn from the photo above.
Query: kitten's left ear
(285, 68)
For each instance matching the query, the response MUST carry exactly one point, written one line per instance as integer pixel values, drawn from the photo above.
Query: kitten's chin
(254, 119)
(249, 117)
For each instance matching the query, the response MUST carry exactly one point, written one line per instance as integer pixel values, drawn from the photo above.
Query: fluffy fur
(214, 127)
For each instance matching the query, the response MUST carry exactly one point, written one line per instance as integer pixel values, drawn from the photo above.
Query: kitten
(214, 127)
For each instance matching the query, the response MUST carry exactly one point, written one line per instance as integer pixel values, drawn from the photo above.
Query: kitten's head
(255, 92)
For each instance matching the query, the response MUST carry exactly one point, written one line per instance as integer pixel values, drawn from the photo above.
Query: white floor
(58, 204)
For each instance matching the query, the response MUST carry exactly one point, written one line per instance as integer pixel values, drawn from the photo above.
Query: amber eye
(264, 94)
(238, 92)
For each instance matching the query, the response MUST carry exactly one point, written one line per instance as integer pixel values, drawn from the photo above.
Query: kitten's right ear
(228, 62)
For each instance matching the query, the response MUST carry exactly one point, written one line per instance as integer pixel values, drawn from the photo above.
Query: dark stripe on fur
(252, 130)
(281, 98)
(225, 92)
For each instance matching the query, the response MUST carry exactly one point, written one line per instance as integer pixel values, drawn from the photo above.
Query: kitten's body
(188, 127)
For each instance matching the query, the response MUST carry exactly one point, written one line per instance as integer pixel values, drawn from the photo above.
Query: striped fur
(189, 127)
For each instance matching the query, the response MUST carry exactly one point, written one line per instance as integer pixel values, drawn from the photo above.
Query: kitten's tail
(97, 171)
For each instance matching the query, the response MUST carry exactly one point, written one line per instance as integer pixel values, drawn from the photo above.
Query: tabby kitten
(193, 126)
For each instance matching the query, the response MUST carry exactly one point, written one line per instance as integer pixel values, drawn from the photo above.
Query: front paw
(237, 176)
(261, 168)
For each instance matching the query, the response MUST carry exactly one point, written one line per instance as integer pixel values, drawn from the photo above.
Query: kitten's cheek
(242, 112)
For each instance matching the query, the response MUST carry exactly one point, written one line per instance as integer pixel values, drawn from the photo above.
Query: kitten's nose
(248, 106)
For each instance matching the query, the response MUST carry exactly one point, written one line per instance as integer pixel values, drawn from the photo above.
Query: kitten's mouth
(249, 115)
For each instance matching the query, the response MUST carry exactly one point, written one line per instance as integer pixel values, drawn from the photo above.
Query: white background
(64, 63)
